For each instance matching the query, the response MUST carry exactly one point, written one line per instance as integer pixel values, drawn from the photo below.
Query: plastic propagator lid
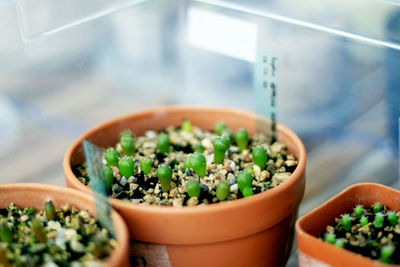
(38, 18)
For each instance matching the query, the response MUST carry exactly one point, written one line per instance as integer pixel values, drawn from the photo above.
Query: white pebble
(77, 246)
(257, 171)
(232, 165)
(70, 234)
(264, 175)
(151, 134)
(24, 218)
(207, 143)
(53, 225)
(234, 188)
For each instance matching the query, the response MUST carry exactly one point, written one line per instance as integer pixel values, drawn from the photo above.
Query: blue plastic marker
(94, 160)
(265, 87)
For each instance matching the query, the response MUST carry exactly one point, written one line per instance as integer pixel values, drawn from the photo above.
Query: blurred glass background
(66, 66)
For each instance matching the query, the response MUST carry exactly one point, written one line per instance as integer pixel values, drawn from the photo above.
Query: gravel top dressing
(372, 232)
(186, 165)
(54, 237)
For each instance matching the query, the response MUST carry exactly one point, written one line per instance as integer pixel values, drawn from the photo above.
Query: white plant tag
(265, 87)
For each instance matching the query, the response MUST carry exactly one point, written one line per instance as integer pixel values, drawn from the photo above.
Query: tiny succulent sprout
(163, 143)
(340, 243)
(164, 174)
(188, 162)
(198, 148)
(5, 233)
(126, 133)
(108, 178)
(221, 144)
(193, 188)
(244, 180)
(112, 157)
(260, 156)
(378, 221)
(358, 211)
(249, 170)
(128, 143)
(392, 218)
(242, 139)
(3, 257)
(386, 253)
(198, 163)
(346, 222)
(330, 238)
(38, 231)
(126, 166)
(363, 221)
(186, 126)
(247, 191)
(49, 210)
(223, 190)
(376, 207)
(228, 134)
(219, 127)
(145, 165)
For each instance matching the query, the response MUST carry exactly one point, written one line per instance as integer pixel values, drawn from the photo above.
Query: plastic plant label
(94, 158)
(265, 88)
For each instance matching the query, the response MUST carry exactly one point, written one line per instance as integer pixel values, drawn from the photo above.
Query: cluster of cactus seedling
(373, 232)
(127, 160)
(30, 238)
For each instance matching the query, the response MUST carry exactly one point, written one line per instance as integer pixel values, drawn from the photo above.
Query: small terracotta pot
(314, 251)
(26, 195)
(253, 231)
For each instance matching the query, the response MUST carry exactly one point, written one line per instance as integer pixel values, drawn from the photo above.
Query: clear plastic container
(68, 65)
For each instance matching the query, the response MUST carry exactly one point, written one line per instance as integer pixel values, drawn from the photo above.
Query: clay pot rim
(309, 238)
(263, 196)
(117, 256)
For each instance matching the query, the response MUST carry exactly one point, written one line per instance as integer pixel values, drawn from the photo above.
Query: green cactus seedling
(376, 207)
(330, 238)
(223, 190)
(221, 144)
(392, 218)
(242, 139)
(358, 211)
(128, 143)
(163, 143)
(219, 127)
(49, 210)
(346, 222)
(260, 156)
(386, 253)
(378, 221)
(193, 188)
(186, 126)
(145, 165)
(5, 233)
(112, 157)
(363, 221)
(164, 174)
(126, 166)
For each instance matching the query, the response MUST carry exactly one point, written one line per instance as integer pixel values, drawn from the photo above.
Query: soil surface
(146, 188)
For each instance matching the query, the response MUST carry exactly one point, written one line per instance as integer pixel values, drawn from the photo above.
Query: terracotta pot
(314, 251)
(26, 195)
(253, 231)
